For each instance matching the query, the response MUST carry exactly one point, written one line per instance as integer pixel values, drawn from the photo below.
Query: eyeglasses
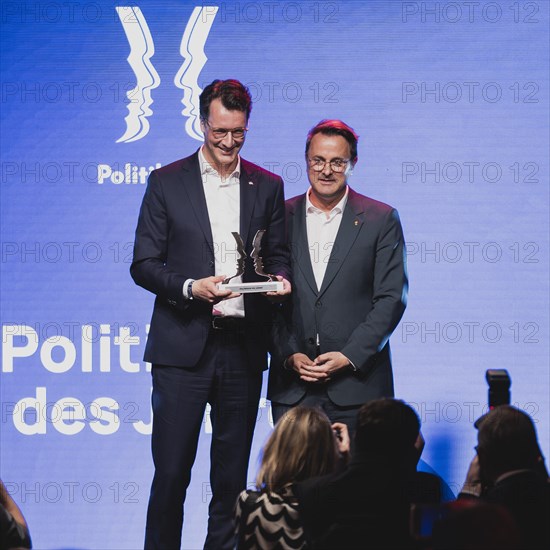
(336, 165)
(220, 133)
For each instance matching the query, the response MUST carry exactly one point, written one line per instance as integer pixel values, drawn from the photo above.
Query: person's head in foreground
(507, 441)
(388, 427)
(302, 445)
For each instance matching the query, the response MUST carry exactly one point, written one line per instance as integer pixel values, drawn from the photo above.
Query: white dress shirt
(322, 228)
(223, 202)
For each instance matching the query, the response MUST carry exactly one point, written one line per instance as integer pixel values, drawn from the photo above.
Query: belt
(234, 324)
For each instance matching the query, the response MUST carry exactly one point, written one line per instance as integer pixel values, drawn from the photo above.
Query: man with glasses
(207, 345)
(349, 288)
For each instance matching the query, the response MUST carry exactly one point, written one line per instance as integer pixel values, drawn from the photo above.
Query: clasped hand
(320, 369)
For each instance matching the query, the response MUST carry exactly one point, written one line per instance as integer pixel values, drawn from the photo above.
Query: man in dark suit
(206, 345)
(349, 288)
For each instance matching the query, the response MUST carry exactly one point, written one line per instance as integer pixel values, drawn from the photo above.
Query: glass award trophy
(271, 284)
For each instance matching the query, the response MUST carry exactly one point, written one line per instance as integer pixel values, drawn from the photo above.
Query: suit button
(318, 303)
(210, 263)
(311, 341)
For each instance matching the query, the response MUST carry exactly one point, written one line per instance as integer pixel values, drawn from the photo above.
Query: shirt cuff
(185, 289)
(472, 489)
(351, 366)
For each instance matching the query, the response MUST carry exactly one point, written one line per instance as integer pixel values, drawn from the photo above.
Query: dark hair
(335, 128)
(233, 95)
(387, 427)
(507, 440)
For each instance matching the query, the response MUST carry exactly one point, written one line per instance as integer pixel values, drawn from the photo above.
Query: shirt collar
(510, 474)
(207, 168)
(337, 209)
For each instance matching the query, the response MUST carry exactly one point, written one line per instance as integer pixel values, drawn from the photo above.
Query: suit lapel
(350, 226)
(248, 192)
(195, 193)
(299, 242)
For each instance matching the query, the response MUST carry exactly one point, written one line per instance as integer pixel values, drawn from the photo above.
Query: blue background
(427, 86)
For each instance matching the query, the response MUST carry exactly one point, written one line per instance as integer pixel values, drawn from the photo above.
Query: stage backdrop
(450, 100)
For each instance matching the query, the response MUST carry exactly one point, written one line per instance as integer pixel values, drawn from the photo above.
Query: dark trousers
(224, 379)
(316, 396)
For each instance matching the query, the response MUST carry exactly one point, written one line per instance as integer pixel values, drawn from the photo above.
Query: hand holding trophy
(270, 285)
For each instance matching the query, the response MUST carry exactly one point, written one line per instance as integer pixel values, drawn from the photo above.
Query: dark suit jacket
(526, 495)
(361, 300)
(174, 243)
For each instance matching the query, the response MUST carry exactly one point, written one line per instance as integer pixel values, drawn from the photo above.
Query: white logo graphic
(194, 59)
(142, 49)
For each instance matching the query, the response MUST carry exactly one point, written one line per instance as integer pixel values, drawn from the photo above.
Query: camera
(499, 387)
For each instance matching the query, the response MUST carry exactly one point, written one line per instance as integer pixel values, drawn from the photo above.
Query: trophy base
(247, 288)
